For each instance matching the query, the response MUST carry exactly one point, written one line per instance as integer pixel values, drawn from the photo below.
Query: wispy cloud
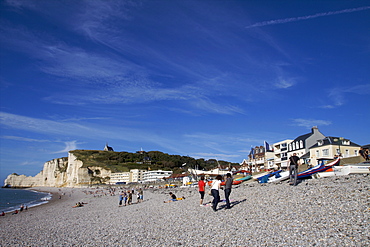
(42, 125)
(338, 95)
(23, 139)
(71, 145)
(309, 123)
(218, 156)
(307, 17)
(284, 83)
(81, 130)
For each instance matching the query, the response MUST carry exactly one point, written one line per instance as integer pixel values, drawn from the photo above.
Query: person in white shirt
(216, 185)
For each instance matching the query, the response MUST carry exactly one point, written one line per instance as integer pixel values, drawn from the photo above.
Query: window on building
(347, 153)
(301, 144)
(337, 151)
(325, 152)
(293, 146)
(356, 152)
(317, 153)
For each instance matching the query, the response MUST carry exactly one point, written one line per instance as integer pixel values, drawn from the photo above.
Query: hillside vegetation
(154, 160)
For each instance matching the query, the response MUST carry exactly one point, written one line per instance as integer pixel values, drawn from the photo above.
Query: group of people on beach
(125, 197)
(21, 208)
(215, 190)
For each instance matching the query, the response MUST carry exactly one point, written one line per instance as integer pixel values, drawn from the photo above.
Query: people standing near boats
(215, 187)
(228, 185)
(293, 169)
(201, 188)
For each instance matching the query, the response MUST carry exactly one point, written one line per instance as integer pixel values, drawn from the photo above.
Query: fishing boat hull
(244, 178)
(265, 178)
(317, 169)
(346, 170)
(281, 177)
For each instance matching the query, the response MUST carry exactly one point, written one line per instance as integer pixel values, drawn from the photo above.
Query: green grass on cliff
(125, 161)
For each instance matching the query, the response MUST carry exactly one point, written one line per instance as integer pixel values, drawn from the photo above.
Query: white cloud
(23, 139)
(309, 123)
(81, 131)
(218, 156)
(294, 19)
(71, 145)
(284, 83)
(338, 95)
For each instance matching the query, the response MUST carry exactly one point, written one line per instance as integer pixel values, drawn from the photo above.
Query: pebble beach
(332, 211)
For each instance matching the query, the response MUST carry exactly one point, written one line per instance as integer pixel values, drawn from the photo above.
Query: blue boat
(263, 179)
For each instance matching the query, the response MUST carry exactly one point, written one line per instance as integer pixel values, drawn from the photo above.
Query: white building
(281, 153)
(120, 177)
(152, 176)
(137, 175)
(302, 144)
(330, 147)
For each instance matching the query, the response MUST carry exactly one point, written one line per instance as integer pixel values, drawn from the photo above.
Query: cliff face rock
(61, 172)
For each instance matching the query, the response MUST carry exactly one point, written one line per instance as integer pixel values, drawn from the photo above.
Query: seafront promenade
(333, 211)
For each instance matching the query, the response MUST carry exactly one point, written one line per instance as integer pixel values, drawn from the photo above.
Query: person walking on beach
(120, 200)
(201, 187)
(228, 185)
(216, 185)
(293, 169)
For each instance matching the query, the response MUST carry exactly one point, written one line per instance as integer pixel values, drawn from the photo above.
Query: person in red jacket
(201, 187)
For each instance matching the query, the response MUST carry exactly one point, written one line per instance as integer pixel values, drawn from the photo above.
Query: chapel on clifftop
(108, 148)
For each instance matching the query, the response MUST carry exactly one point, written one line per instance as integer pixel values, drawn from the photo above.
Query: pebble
(332, 211)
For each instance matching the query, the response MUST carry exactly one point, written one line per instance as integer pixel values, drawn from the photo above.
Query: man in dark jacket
(293, 169)
(228, 185)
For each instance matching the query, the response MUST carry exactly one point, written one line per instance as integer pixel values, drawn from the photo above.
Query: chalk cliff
(61, 172)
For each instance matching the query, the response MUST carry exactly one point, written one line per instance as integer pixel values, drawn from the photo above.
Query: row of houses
(138, 176)
(312, 148)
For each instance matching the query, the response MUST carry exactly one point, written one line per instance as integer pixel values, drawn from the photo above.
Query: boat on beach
(346, 170)
(265, 178)
(279, 177)
(304, 174)
(319, 168)
(244, 178)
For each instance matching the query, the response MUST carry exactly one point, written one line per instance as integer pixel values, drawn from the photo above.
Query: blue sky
(206, 79)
